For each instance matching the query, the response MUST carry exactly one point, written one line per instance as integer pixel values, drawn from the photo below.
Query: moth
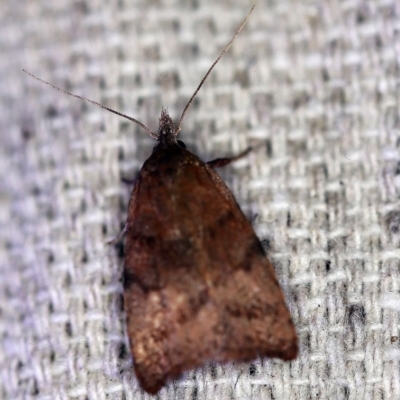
(198, 286)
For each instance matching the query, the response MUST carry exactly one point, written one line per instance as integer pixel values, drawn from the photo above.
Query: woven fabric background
(313, 85)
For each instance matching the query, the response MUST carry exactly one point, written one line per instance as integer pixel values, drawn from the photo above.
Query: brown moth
(198, 286)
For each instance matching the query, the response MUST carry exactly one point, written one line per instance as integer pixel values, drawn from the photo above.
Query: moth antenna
(178, 129)
(149, 132)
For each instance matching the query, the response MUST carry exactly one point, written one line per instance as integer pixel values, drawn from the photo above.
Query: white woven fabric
(313, 85)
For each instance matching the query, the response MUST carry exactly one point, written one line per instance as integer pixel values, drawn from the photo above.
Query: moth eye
(181, 144)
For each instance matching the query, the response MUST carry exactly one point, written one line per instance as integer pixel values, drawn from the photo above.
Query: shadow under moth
(198, 286)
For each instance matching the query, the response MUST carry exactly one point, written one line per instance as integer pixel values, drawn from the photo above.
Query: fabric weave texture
(312, 85)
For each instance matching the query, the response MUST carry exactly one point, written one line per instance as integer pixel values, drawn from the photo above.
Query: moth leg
(131, 181)
(119, 236)
(221, 162)
(128, 181)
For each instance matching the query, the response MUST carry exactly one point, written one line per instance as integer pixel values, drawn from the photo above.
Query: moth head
(166, 129)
